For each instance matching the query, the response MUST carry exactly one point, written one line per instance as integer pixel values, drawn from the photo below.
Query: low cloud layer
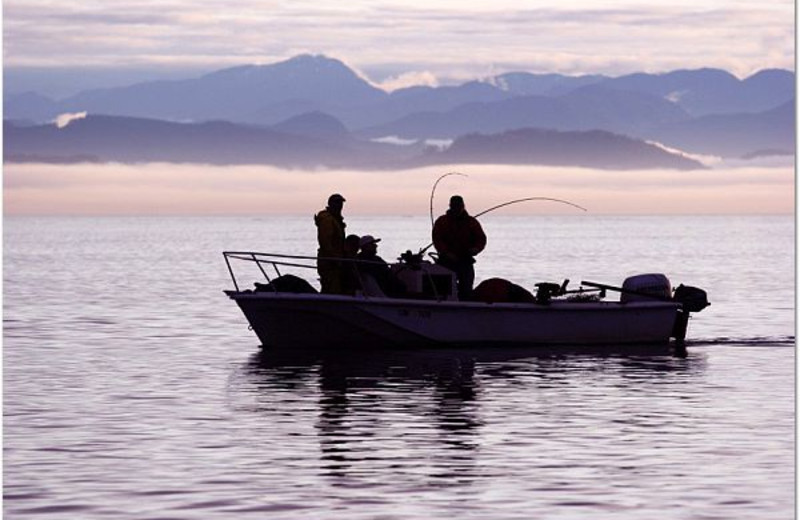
(170, 189)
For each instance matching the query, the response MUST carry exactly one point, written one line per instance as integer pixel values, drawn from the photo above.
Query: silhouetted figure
(352, 243)
(350, 280)
(458, 238)
(377, 268)
(330, 236)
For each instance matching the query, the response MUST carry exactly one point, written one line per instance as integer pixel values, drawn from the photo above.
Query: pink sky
(170, 189)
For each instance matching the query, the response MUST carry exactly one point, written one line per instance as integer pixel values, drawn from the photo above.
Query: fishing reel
(412, 260)
(545, 291)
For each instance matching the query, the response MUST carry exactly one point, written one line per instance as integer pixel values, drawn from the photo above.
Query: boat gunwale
(552, 305)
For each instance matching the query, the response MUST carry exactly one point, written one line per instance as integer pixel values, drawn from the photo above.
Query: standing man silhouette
(330, 237)
(458, 238)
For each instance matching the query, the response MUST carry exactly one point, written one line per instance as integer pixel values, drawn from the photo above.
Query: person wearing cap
(373, 265)
(331, 238)
(458, 237)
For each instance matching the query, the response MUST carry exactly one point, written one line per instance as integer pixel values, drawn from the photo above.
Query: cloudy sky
(58, 48)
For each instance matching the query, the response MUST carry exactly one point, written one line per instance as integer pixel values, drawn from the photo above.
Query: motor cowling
(692, 299)
(646, 287)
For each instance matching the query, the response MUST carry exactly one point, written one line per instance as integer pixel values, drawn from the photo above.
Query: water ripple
(150, 401)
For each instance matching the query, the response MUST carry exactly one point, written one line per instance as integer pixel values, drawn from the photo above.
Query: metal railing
(271, 260)
(268, 262)
(274, 261)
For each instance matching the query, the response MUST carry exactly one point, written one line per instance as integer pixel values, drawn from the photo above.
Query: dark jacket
(458, 237)
(330, 234)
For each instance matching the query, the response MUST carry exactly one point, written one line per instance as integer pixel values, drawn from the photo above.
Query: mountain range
(315, 109)
(313, 141)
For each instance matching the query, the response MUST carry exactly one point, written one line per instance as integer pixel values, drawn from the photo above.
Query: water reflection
(379, 411)
(382, 416)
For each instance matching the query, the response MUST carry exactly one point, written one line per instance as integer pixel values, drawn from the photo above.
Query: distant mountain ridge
(125, 139)
(592, 149)
(235, 93)
(316, 82)
(587, 108)
(713, 91)
(734, 135)
(316, 94)
(297, 143)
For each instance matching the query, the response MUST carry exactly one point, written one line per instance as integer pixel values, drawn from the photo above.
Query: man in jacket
(330, 237)
(377, 268)
(458, 238)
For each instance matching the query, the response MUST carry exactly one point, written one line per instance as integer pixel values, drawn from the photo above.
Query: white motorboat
(288, 312)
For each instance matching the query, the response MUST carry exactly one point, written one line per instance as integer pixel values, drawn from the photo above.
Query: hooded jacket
(330, 234)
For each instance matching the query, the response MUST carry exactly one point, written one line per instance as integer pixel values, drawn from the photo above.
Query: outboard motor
(693, 299)
(645, 287)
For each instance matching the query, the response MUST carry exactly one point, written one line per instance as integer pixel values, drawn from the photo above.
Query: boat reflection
(371, 404)
(421, 412)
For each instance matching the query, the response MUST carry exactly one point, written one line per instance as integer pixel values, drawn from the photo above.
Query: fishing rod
(504, 204)
(484, 212)
(433, 191)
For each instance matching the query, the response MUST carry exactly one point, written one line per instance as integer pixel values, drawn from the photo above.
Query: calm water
(133, 389)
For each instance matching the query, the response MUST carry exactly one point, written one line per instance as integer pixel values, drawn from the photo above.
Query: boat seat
(286, 283)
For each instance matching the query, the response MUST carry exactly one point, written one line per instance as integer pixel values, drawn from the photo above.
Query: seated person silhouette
(374, 267)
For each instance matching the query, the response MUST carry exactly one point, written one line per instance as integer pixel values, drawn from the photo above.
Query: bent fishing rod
(526, 199)
(433, 190)
(504, 204)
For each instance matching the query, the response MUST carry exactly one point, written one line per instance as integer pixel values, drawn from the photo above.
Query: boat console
(425, 280)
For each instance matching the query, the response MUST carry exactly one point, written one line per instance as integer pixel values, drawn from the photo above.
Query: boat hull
(286, 320)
